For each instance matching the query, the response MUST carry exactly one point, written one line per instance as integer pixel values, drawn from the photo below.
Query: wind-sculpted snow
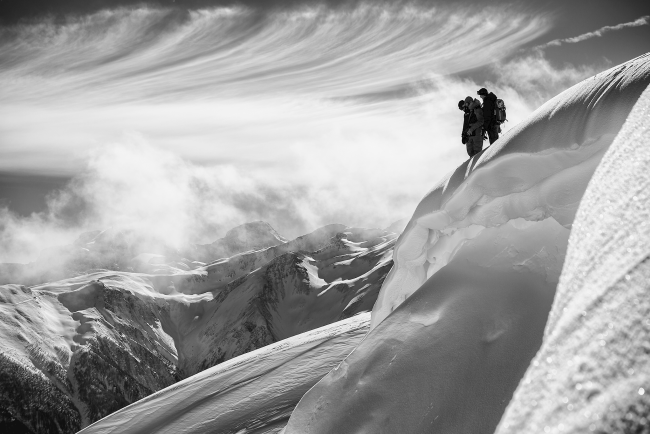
(539, 170)
(446, 361)
(253, 393)
(592, 374)
(463, 310)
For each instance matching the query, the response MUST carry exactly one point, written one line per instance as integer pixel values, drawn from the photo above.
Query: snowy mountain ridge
(80, 348)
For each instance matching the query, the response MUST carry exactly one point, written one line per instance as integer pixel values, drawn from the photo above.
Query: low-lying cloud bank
(183, 125)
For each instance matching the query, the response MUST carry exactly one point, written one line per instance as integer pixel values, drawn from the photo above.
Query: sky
(183, 119)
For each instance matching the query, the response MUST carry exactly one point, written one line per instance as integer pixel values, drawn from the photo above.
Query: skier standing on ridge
(490, 124)
(463, 134)
(475, 130)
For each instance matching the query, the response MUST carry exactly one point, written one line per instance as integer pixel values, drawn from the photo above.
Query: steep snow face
(489, 243)
(592, 374)
(537, 171)
(253, 393)
(446, 361)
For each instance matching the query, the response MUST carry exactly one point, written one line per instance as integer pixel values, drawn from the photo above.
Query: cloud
(643, 21)
(209, 84)
(364, 171)
(182, 125)
(536, 80)
(135, 187)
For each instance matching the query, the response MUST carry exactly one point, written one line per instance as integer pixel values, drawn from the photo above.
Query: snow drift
(253, 393)
(489, 241)
(539, 170)
(592, 373)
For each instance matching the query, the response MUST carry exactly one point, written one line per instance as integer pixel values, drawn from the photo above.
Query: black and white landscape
(79, 348)
(259, 218)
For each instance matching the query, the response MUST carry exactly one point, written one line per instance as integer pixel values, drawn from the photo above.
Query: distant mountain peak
(248, 236)
(254, 233)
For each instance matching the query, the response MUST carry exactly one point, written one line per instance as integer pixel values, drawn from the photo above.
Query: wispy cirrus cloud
(231, 84)
(643, 21)
(299, 117)
(535, 79)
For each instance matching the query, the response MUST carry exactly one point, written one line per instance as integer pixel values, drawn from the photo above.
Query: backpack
(500, 111)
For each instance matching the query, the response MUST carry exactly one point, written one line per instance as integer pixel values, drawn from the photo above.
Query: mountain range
(121, 323)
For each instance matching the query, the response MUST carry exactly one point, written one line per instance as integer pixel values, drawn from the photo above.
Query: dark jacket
(476, 119)
(463, 133)
(489, 104)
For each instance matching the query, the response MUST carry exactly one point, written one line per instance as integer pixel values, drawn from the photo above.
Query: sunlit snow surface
(445, 356)
(592, 373)
(538, 171)
(253, 393)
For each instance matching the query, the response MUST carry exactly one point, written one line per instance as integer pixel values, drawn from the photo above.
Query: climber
(463, 134)
(474, 131)
(490, 124)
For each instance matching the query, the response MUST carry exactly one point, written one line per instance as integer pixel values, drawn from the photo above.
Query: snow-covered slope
(445, 356)
(254, 393)
(592, 373)
(78, 349)
(537, 171)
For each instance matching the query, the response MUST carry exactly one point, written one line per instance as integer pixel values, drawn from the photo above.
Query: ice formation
(254, 393)
(592, 373)
(445, 356)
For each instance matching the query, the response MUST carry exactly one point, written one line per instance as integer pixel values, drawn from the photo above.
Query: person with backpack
(474, 130)
(463, 134)
(490, 124)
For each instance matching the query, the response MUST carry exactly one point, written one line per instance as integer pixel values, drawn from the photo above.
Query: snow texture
(592, 373)
(463, 311)
(538, 170)
(253, 393)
